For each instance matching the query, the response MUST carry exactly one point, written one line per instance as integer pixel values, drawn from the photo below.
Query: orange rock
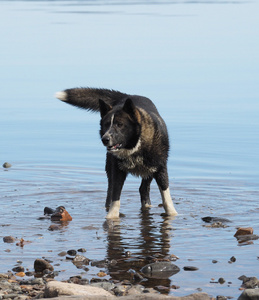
(22, 242)
(101, 274)
(61, 215)
(20, 274)
(244, 231)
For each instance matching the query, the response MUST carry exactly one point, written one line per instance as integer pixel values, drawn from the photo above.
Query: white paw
(170, 211)
(114, 211)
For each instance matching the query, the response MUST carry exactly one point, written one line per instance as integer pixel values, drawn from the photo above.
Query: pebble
(221, 280)
(244, 231)
(18, 269)
(20, 274)
(232, 259)
(62, 253)
(9, 239)
(41, 265)
(72, 252)
(81, 250)
(249, 282)
(160, 269)
(215, 219)
(190, 268)
(7, 165)
(54, 227)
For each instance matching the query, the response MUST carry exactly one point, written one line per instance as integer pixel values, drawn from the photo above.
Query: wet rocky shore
(18, 284)
(22, 283)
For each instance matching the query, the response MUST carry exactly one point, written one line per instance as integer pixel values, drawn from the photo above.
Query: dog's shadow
(127, 251)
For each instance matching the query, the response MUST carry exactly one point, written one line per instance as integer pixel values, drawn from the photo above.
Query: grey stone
(106, 285)
(41, 264)
(9, 239)
(190, 268)
(7, 165)
(160, 270)
(249, 294)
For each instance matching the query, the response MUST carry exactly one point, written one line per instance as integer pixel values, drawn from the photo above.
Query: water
(198, 61)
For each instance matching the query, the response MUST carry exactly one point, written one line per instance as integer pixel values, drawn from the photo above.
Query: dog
(136, 140)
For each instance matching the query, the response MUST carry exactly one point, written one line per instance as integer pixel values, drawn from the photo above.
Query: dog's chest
(136, 166)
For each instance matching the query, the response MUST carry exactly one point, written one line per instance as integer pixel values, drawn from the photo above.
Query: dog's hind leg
(163, 184)
(144, 191)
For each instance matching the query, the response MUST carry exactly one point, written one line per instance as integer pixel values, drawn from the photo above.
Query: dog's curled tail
(88, 98)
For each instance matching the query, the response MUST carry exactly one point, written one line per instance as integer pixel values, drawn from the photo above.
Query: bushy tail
(88, 98)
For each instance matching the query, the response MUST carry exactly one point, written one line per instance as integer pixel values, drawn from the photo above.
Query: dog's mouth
(114, 147)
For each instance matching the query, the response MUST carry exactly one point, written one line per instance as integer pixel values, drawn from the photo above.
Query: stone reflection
(127, 255)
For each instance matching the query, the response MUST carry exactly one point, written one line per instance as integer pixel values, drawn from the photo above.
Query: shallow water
(198, 61)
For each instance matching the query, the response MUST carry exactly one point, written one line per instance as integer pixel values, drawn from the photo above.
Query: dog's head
(120, 126)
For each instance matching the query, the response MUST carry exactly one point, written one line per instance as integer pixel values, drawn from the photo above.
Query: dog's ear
(104, 108)
(130, 108)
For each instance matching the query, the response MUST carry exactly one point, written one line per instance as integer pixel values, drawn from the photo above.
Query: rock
(101, 274)
(249, 294)
(190, 268)
(54, 227)
(6, 165)
(20, 274)
(221, 280)
(232, 259)
(120, 290)
(160, 269)
(41, 265)
(216, 225)
(81, 250)
(48, 211)
(56, 289)
(9, 239)
(61, 214)
(215, 220)
(244, 231)
(79, 261)
(72, 252)
(18, 269)
(249, 282)
(134, 291)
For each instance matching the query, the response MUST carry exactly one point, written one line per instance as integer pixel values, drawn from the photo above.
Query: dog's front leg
(116, 179)
(163, 184)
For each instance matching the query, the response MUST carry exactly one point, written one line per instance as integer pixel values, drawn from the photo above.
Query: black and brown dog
(136, 139)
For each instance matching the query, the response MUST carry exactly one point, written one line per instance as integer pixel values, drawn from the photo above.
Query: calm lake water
(199, 62)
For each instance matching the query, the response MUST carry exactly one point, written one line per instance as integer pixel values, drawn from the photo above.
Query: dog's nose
(105, 140)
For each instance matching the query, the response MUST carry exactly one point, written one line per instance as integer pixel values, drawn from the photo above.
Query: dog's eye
(119, 124)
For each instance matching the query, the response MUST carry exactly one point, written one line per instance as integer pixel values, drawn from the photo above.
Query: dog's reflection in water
(127, 253)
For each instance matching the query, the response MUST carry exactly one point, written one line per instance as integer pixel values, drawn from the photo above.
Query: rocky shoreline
(11, 287)
(37, 288)
(40, 283)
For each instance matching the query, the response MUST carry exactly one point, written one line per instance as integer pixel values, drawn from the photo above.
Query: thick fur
(136, 139)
